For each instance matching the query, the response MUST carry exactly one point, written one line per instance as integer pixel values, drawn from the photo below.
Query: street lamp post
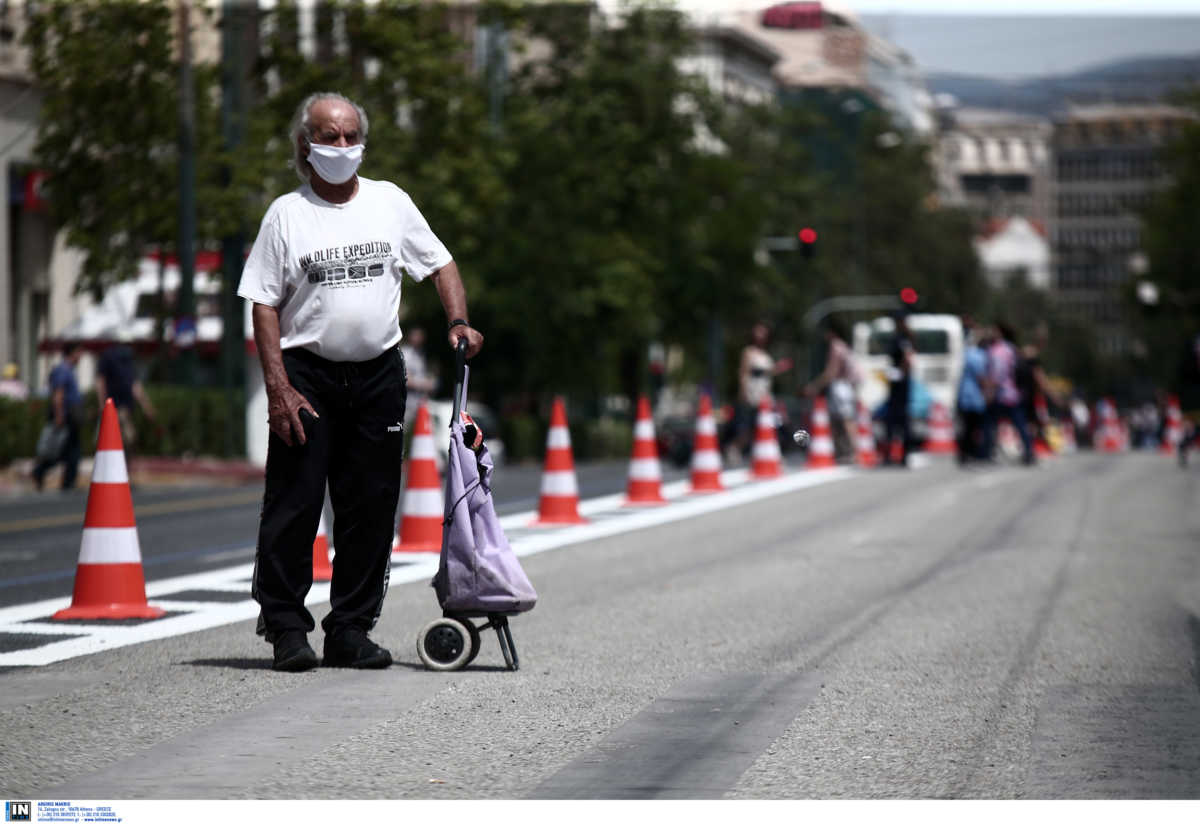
(185, 324)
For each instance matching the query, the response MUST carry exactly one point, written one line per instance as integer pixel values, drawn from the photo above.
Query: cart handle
(460, 377)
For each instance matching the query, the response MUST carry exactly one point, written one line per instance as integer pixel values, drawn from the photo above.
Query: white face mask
(333, 163)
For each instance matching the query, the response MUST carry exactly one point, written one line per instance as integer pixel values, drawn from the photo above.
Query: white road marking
(193, 616)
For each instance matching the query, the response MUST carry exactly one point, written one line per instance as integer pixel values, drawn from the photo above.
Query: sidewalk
(16, 478)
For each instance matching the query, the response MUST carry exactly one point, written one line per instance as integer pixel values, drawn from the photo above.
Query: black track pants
(356, 445)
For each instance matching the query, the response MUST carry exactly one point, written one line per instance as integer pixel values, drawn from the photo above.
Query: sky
(1015, 38)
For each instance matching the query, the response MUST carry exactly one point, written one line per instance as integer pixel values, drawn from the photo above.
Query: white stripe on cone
(109, 467)
(706, 460)
(822, 446)
(706, 426)
(643, 431)
(645, 469)
(110, 545)
(422, 449)
(558, 437)
(424, 502)
(560, 484)
(766, 450)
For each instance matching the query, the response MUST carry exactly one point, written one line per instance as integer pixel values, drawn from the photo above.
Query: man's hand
(474, 339)
(283, 414)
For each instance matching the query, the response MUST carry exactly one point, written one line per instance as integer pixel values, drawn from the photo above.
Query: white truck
(938, 358)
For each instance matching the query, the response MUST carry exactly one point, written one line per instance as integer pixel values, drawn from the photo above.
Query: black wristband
(457, 322)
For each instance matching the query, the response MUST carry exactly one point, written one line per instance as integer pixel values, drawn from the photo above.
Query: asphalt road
(189, 529)
(1006, 633)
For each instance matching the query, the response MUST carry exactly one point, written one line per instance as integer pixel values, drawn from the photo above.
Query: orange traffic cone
(1008, 439)
(820, 450)
(421, 516)
(767, 460)
(1173, 432)
(1041, 446)
(706, 456)
(645, 472)
(865, 448)
(108, 580)
(941, 432)
(322, 569)
(559, 502)
(1111, 438)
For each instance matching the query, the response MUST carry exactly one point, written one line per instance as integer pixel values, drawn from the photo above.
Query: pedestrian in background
(420, 380)
(1189, 398)
(1081, 421)
(895, 445)
(756, 369)
(974, 390)
(1034, 386)
(1007, 402)
(841, 377)
(116, 378)
(64, 416)
(11, 385)
(324, 278)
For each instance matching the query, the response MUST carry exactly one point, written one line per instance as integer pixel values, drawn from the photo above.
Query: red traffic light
(808, 235)
(908, 295)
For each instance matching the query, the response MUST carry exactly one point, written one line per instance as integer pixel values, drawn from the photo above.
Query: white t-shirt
(333, 270)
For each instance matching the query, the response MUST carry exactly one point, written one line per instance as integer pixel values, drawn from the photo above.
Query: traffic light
(808, 241)
(909, 295)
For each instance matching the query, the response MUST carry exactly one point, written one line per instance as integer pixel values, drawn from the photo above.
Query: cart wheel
(444, 645)
(473, 631)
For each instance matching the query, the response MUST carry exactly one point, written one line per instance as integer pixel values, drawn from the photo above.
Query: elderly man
(324, 277)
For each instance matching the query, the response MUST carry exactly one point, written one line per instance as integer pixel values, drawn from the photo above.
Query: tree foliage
(108, 133)
(1168, 231)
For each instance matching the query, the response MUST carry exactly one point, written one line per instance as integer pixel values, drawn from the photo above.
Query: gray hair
(302, 128)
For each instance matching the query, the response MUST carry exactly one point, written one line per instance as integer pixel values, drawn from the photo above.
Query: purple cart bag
(478, 573)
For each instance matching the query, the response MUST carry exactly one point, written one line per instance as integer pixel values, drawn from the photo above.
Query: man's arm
(283, 401)
(1043, 383)
(454, 300)
(143, 399)
(59, 401)
(824, 379)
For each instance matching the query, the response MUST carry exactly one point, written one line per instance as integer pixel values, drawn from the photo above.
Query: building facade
(1012, 250)
(1106, 168)
(734, 65)
(35, 269)
(995, 164)
(823, 46)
